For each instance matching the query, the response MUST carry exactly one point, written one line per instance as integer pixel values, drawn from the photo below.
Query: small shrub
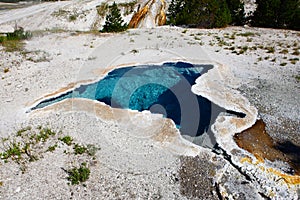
(295, 44)
(296, 53)
(25, 146)
(283, 64)
(72, 17)
(22, 130)
(2, 38)
(260, 46)
(13, 41)
(14, 151)
(78, 175)
(44, 134)
(284, 51)
(114, 21)
(270, 49)
(19, 34)
(134, 51)
(232, 37)
(52, 148)
(78, 149)
(243, 50)
(92, 150)
(6, 70)
(222, 43)
(249, 40)
(294, 60)
(184, 31)
(67, 140)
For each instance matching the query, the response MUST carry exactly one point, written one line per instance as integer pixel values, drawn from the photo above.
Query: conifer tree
(237, 11)
(199, 13)
(289, 14)
(266, 13)
(277, 14)
(114, 21)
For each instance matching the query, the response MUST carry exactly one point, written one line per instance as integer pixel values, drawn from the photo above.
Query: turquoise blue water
(164, 89)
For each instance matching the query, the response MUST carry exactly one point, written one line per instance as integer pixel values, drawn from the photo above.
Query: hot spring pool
(164, 89)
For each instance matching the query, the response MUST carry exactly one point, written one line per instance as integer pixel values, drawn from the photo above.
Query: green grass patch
(44, 134)
(25, 146)
(13, 151)
(78, 149)
(52, 148)
(78, 175)
(22, 130)
(67, 140)
(14, 41)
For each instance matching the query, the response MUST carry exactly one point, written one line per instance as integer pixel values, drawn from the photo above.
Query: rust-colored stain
(258, 142)
(287, 178)
(139, 16)
(290, 179)
(162, 18)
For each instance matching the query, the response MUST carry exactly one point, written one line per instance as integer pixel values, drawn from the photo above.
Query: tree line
(220, 13)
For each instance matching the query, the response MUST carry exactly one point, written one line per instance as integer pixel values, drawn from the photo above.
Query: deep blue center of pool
(164, 89)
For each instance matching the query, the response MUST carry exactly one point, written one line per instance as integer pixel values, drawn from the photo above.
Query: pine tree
(222, 15)
(175, 7)
(289, 16)
(277, 14)
(199, 13)
(114, 21)
(237, 12)
(266, 13)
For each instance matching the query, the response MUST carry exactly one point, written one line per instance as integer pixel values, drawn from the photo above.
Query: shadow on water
(292, 151)
(163, 89)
